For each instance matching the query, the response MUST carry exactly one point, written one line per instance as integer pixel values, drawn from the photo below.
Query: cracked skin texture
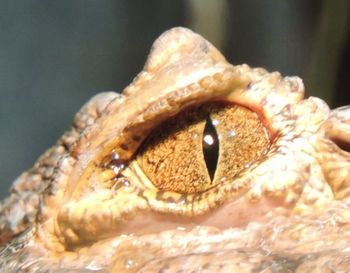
(88, 206)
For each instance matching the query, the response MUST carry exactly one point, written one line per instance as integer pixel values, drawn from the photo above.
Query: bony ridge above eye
(202, 146)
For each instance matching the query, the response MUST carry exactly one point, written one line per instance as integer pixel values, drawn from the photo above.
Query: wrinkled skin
(84, 207)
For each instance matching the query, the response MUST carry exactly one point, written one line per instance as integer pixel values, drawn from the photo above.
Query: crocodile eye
(202, 147)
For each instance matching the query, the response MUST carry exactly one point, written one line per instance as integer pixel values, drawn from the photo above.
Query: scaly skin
(87, 206)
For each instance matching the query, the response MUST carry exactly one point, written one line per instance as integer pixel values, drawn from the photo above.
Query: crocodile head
(198, 166)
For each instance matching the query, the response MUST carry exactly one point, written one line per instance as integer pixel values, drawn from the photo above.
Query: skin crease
(87, 205)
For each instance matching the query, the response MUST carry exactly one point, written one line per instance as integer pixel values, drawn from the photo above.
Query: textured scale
(116, 195)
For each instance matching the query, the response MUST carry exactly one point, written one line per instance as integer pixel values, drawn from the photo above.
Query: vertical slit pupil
(210, 147)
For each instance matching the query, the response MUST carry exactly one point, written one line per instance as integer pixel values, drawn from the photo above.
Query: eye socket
(202, 147)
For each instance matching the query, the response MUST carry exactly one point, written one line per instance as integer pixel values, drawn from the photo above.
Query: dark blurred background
(55, 55)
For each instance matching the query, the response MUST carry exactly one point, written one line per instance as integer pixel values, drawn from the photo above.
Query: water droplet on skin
(129, 263)
(118, 168)
(120, 183)
(115, 156)
(126, 183)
